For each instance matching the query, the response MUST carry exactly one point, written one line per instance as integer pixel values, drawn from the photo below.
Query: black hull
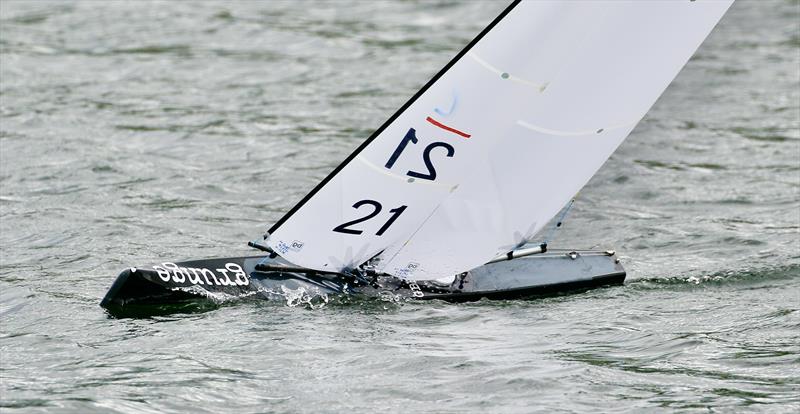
(535, 291)
(173, 284)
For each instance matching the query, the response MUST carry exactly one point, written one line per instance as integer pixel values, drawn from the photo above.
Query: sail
(497, 142)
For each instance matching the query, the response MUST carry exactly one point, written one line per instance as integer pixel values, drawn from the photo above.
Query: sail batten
(495, 145)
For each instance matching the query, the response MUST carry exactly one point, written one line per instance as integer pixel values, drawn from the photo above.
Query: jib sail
(497, 142)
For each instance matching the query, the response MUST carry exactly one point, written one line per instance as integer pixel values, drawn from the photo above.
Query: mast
(392, 118)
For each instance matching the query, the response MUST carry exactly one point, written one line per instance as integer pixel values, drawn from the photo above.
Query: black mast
(392, 118)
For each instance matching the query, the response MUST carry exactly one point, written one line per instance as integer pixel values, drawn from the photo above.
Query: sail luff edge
(394, 116)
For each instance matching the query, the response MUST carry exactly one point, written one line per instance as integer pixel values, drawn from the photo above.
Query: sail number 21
(410, 137)
(376, 209)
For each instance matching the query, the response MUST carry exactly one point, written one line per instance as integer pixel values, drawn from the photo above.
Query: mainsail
(499, 140)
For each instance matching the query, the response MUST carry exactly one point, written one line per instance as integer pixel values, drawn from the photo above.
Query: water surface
(135, 131)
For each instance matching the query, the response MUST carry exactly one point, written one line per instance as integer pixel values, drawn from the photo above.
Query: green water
(136, 131)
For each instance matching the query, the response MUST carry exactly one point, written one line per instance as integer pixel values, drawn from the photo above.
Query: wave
(722, 277)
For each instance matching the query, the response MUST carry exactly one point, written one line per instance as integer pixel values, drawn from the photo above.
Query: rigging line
(412, 235)
(560, 220)
(421, 225)
(391, 119)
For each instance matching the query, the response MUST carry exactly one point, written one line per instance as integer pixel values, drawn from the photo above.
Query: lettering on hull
(231, 275)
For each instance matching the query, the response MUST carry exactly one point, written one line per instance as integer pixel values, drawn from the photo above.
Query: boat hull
(255, 276)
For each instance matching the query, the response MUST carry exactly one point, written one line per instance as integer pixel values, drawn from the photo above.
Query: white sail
(494, 146)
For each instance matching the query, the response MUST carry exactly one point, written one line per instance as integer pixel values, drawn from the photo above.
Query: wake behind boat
(442, 200)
